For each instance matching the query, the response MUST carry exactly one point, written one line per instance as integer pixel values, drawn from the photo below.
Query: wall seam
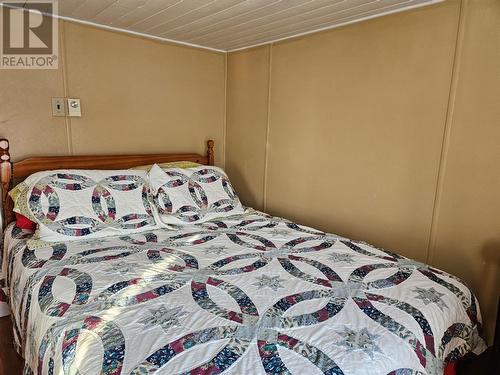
(224, 125)
(266, 152)
(67, 119)
(455, 73)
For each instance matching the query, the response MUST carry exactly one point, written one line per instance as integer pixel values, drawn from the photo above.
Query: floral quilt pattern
(249, 294)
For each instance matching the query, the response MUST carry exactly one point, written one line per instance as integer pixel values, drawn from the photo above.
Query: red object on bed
(450, 369)
(24, 223)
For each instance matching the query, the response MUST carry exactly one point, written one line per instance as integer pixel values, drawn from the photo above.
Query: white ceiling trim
(245, 41)
(334, 26)
(137, 33)
(125, 31)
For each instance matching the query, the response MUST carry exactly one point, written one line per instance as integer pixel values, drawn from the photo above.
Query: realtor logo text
(29, 37)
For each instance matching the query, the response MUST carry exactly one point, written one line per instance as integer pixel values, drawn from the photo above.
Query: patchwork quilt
(249, 294)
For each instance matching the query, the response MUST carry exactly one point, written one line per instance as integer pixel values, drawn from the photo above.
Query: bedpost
(5, 179)
(210, 152)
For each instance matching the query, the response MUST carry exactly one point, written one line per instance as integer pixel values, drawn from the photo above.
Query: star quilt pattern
(247, 294)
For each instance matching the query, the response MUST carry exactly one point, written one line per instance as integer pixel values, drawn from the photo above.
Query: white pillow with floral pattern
(77, 204)
(192, 195)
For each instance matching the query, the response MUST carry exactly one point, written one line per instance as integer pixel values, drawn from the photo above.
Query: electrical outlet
(58, 107)
(74, 108)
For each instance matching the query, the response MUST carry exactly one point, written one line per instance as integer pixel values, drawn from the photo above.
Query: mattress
(248, 294)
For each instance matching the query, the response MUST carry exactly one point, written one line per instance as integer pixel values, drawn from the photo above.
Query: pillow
(85, 204)
(192, 195)
(172, 164)
(23, 222)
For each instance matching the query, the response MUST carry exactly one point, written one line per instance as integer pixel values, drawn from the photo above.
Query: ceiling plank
(227, 24)
(195, 15)
(90, 8)
(170, 13)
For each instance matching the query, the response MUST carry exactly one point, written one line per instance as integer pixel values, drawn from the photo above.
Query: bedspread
(249, 294)
(4, 308)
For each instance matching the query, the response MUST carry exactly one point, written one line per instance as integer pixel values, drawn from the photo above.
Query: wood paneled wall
(137, 95)
(386, 131)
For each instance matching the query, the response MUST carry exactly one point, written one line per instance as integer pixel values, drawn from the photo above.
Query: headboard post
(210, 152)
(6, 180)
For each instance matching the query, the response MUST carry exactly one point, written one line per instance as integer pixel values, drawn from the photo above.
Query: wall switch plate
(74, 108)
(58, 107)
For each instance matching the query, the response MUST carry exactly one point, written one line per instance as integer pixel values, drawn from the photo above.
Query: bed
(240, 294)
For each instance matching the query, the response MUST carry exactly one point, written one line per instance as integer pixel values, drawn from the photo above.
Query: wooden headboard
(15, 172)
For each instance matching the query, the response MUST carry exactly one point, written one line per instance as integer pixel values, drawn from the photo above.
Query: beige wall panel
(356, 124)
(247, 94)
(140, 95)
(26, 112)
(467, 239)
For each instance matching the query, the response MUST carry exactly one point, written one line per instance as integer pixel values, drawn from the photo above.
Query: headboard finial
(210, 152)
(5, 179)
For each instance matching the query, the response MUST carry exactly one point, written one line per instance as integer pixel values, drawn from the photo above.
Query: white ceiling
(228, 25)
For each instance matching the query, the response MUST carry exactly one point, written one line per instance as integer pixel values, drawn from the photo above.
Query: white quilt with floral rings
(250, 294)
